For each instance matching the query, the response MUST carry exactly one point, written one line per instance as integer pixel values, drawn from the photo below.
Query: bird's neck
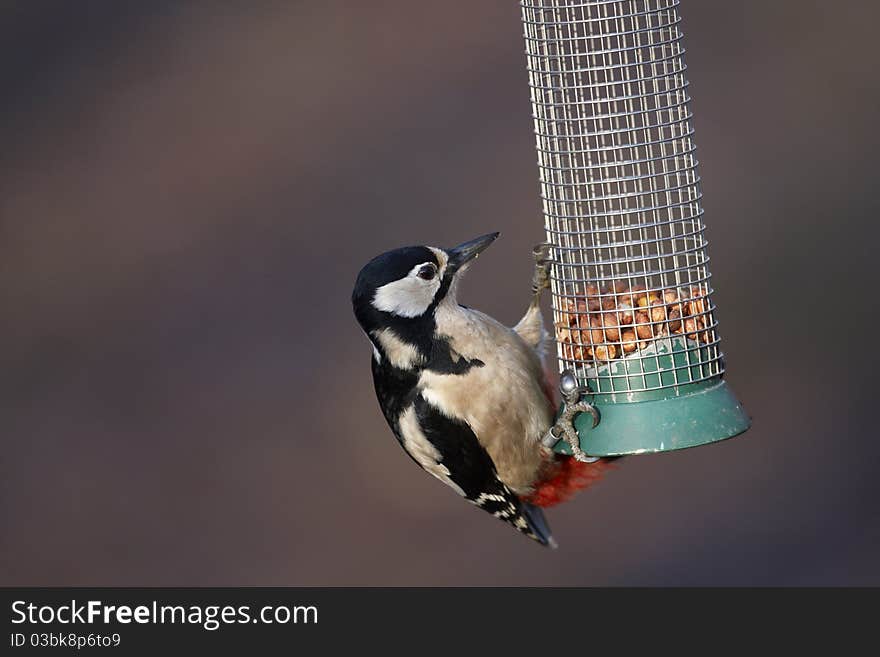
(405, 352)
(398, 352)
(404, 343)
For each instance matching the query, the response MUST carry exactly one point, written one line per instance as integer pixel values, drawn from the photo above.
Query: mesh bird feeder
(632, 300)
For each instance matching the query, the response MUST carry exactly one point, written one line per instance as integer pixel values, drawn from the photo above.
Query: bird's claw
(586, 407)
(564, 427)
(541, 278)
(542, 251)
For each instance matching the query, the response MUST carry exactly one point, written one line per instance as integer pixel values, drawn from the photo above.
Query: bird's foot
(541, 277)
(573, 406)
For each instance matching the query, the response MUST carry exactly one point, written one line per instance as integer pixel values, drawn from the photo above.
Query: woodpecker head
(402, 288)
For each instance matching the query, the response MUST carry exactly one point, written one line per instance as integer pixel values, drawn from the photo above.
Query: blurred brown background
(187, 191)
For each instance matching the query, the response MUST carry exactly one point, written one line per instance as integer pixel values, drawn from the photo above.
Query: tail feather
(504, 504)
(538, 524)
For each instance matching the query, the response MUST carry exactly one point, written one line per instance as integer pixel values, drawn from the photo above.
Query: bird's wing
(531, 329)
(449, 450)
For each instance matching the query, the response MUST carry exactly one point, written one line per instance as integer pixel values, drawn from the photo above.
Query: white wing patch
(402, 355)
(421, 449)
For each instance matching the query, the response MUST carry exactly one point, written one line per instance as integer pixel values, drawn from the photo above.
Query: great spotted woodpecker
(467, 397)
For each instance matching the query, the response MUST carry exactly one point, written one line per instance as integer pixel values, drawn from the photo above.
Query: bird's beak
(464, 253)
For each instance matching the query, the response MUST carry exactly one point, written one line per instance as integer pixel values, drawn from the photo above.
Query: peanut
(674, 320)
(658, 311)
(643, 329)
(562, 331)
(597, 334)
(648, 300)
(605, 352)
(636, 292)
(628, 337)
(699, 303)
(609, 321)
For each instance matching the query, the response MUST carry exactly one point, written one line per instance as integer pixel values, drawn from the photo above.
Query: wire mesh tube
(632, 302)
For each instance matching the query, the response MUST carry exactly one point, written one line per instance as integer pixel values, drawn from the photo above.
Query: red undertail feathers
(567, 476)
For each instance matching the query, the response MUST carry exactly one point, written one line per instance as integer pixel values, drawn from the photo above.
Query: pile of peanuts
(624, 319)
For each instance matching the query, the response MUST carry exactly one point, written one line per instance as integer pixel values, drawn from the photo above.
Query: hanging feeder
(632, 300)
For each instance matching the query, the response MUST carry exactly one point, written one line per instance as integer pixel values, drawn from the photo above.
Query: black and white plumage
(461, 392)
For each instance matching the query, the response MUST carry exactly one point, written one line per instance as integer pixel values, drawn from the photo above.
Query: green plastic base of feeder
(659, 420)
(702, 413)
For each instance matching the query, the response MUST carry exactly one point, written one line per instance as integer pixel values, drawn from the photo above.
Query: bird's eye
(427, 272)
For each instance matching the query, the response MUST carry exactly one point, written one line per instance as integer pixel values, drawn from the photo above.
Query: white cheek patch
(408, 297)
